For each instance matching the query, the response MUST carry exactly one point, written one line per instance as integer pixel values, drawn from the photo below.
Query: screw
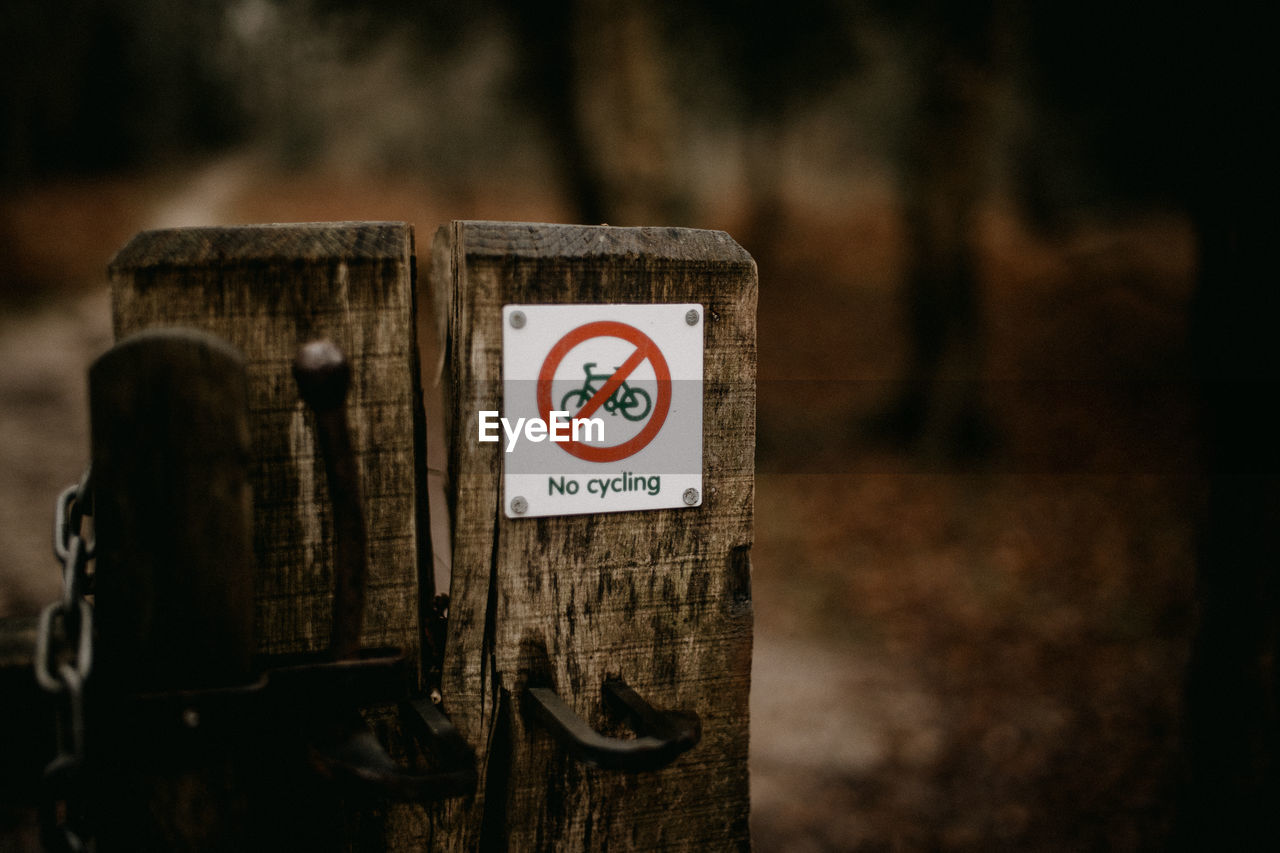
(519, 505)
(690, 496)
(691, 317)
(517, 319)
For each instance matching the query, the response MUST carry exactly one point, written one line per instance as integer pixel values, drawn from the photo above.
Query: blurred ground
(971, 654)
(976, 653)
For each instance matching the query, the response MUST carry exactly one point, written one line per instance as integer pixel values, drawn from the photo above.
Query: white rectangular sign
(602, 408)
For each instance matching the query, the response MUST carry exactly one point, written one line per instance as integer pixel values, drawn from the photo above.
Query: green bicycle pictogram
(624, 400)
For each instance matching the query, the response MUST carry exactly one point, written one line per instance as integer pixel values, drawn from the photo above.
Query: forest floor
(962, 652)
(975, 651)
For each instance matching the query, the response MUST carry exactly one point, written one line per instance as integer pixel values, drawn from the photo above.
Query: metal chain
(63, 661)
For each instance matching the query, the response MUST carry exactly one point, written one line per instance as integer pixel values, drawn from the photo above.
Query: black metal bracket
(356, 757)
(294, 696)
(664, 735)
(348, 750)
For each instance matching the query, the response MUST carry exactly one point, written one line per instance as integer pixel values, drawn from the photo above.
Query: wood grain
(660, 598)
(268, 290)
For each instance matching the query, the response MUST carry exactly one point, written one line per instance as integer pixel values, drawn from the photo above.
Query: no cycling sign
(602, 408)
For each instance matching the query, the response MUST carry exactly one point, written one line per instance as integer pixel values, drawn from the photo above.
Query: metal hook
(323, 375)
(664, 735)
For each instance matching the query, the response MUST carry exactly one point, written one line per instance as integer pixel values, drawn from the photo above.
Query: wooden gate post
(659, 598)
(268, 290)
(173, 591)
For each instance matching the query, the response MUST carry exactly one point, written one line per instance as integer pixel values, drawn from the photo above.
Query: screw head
(517, 319)
(690, 496)
(191, 718)
(519, 505)
(691, 316)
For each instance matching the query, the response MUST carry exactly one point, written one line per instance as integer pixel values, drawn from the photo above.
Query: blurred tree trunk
(1233, 684)
(628, 112)
(943, 175)
(545, 36)
(595, 72)
(1232, 800)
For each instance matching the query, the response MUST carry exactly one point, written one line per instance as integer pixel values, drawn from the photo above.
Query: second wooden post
(650, 585)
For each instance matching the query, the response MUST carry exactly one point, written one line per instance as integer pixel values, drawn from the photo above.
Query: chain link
(63, 662)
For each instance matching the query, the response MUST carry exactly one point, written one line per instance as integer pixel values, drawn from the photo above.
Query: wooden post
(174, 588)
(268, 290)
(661, 598)
(175, 561)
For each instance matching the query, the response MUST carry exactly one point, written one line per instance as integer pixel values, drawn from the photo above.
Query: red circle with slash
(646, 349)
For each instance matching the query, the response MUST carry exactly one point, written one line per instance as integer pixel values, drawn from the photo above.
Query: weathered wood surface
(661, 598)
(268, 290)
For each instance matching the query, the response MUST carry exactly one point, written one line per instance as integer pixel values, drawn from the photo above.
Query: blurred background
(1014, 573)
